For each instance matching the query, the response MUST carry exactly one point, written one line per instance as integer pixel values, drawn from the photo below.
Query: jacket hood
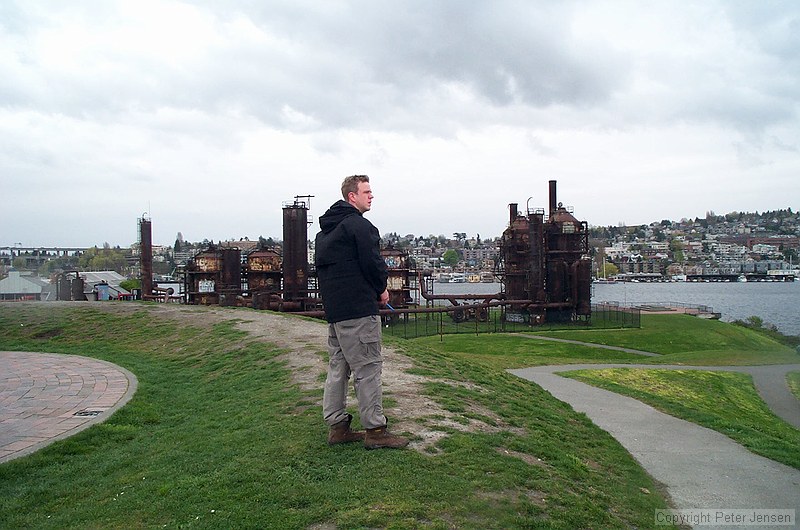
(336, 214)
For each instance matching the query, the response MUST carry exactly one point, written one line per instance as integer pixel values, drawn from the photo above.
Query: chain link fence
(477, 319)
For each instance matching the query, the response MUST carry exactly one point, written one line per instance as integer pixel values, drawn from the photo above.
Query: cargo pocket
(370, 339)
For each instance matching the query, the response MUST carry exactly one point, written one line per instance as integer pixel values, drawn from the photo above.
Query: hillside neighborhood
(735, 243)
(716, 245)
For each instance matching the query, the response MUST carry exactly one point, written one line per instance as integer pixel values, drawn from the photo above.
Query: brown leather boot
(379, 438)
(341, 433)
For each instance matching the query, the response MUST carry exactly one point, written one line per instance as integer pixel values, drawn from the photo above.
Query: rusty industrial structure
(70, 286)
(146, 255)
(399, 284)
(543, 267)
(214, 277)
(150, 290)
(264, 278)
(546, 268)
(295, 252)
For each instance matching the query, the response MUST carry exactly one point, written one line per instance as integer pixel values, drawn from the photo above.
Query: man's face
(362, 199)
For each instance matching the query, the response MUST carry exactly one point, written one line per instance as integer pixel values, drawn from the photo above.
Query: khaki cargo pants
(354, 347)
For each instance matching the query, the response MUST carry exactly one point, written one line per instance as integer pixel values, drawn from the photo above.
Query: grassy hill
(218, 435)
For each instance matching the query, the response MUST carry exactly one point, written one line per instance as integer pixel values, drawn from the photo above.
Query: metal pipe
(423, 290)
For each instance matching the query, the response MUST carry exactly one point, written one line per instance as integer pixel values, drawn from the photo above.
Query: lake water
(776, 303)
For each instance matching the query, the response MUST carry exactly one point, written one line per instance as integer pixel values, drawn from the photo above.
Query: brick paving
(45, 397)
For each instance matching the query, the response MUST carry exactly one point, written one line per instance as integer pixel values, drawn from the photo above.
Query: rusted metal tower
(295, 249)
(545, 264)
(146, 255)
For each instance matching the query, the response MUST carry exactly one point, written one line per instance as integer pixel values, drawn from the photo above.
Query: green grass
(793, 380)
(684, 339)
(724, 401)
(769, 330)
(678, 339)
(503, 351)
(218, 436)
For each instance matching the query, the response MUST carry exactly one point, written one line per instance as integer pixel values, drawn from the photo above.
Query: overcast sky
(208, 116)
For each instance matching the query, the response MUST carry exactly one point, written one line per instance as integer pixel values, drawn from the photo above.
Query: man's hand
(383, 299)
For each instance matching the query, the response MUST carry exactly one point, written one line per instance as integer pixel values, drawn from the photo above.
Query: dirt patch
(48, 334)
(536, 497)
(525, 457)
(305, 343)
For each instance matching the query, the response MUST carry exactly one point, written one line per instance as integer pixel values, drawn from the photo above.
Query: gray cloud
(349, 68)
(169, 97)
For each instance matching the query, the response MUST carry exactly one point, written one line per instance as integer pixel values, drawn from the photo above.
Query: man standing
(352, 280)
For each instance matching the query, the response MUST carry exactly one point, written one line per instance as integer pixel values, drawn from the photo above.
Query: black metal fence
(460, 319)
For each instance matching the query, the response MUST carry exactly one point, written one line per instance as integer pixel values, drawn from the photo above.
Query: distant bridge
(37, 255)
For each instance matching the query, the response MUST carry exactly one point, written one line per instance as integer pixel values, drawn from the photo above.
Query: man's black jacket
(352, 274)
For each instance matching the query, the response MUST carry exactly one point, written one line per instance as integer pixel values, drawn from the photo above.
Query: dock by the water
(647, 277)
(746, 277)
(667, 308)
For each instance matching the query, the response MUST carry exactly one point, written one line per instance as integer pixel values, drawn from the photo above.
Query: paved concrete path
(701, 468)
(45, 397)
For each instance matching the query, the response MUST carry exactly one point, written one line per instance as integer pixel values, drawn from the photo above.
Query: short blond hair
(350, 184)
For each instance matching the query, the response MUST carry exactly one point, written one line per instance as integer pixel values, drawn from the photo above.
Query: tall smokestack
(146, 255)
(512, 208)
(295, 250)
(553, 203)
